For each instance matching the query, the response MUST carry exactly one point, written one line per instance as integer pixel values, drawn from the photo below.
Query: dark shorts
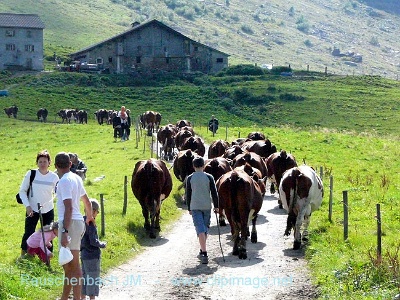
(201, 220)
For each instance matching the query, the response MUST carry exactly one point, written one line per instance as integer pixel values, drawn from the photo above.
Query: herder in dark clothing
(213, 124)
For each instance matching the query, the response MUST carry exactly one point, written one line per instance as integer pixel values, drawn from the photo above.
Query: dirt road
(169, 268)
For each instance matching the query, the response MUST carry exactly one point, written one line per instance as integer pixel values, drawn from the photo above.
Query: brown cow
(194, 143)
(256, 136)
(253, 159)
(241, 198)
(166, 137)
(217, 167)
(151, 184)
(180, 137)
(233, 151)
(11, 111)
(183, 164)
(254, 173)
(182, 123)
(150, 121)
(217, 148)
(264, 148)
(277, 164)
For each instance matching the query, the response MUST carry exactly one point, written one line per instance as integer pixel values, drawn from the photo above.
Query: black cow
(11, 111)
(42, 114)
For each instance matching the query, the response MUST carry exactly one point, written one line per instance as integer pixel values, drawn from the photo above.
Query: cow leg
(242, 245)
(306, 222)
(297, 232)
(145, 214)
(221, 218)
(235, 238)
(253, 237)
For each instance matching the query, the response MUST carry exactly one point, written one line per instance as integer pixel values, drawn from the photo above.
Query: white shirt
(41, 191)
(70, 186)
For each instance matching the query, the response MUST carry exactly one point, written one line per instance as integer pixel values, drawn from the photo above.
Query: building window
(167, 60)
(10, 47)
(138, 59)
(28, 34)
(10, 33)
(29, 48)
(99, 61)
(196, 48)
(110, 59)
(220, 60)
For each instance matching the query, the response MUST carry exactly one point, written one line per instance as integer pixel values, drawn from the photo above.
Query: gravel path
(169, 269)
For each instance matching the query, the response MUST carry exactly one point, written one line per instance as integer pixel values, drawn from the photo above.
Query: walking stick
(44, 240)
(219, 237)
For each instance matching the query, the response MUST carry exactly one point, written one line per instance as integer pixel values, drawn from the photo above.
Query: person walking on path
(41, 193)
(69, 191)
(90, 256)
(200, 192)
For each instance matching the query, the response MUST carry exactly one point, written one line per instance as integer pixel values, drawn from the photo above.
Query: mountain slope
(300, 33)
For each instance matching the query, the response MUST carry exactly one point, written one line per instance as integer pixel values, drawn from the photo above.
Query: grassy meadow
(347, 126)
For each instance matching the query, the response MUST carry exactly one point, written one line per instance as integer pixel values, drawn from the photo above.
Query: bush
(242, 70)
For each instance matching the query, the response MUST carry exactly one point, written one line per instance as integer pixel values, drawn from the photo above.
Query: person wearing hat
(90, 256)
(35, 242)
(200, 192)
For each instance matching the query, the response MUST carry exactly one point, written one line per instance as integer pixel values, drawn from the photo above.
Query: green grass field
(355, 141)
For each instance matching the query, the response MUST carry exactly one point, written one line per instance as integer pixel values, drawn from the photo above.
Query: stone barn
(151, 46)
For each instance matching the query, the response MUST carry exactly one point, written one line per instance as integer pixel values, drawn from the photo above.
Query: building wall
(21, 48)
(154, 47)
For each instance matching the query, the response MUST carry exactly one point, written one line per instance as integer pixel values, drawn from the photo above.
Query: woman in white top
(41, 192)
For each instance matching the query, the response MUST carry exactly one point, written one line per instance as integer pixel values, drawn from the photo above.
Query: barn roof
(21, 21)
(137, 26)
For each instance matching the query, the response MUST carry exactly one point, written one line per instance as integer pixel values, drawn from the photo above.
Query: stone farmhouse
(21, 42)
(150, 47)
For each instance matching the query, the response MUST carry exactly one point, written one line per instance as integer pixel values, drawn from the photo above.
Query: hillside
(298, 33)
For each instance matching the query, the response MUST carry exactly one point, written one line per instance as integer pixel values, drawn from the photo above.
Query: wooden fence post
(330, 198)
(379, 233)
(102, 216)
(151, 147)
(345, 216)
(125, 195)
(321, 172)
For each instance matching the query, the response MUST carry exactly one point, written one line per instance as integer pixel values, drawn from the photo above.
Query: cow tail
(291, 219)
(234, 202)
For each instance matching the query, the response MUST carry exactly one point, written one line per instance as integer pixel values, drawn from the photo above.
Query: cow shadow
(277, 211)
(199, 270)
(295, 254)
(142, 236)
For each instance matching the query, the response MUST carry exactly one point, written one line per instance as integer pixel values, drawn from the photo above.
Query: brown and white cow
(150, 121)
(217, 148)
(301, 191)
(241, 199)
(256, 136)
(151, 184)
(277, 164)
(166, 137)
(11, 111)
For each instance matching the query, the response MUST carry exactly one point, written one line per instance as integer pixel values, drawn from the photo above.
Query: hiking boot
(204, 258)
(201, 254)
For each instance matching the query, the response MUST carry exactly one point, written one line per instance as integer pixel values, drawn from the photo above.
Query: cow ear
(255, 177)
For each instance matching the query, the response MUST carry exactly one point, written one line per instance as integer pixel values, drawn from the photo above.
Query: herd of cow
(241, 170)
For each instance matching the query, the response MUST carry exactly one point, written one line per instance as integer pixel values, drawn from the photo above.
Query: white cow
(301, 191)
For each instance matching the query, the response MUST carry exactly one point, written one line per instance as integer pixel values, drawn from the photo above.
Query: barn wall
(20, 55)
(154, 47)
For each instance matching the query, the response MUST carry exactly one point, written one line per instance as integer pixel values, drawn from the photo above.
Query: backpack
(33, 173)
